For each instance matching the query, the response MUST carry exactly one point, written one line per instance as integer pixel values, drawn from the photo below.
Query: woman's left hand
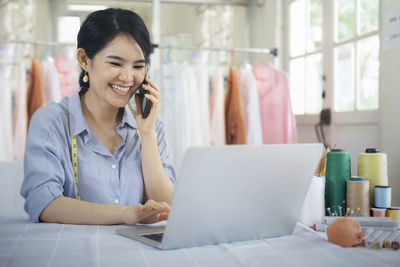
(147, 126)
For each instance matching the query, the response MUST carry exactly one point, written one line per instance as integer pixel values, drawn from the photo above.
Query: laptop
(234, 193)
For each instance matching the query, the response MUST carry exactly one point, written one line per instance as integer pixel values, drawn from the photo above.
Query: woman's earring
(85, 78)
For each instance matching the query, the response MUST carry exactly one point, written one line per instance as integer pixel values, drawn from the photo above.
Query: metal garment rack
(44, 43)
(273, 51)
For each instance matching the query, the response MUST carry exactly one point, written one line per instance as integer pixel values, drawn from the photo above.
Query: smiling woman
(90, 159)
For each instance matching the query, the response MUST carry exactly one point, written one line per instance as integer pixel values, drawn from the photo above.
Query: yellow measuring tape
(74, 154)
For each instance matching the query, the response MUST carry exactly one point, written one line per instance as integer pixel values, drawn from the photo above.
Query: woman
(89, 159)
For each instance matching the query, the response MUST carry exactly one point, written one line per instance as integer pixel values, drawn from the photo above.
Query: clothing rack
(44, 43)
(273, 51)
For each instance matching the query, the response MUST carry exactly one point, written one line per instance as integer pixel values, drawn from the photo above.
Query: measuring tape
(74, 155)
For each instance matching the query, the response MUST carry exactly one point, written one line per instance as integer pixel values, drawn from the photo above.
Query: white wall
(264, 26)
(390, 107)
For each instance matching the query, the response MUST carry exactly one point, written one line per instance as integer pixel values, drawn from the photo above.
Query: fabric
(51, 81)
(20, 117)
(217, 113)
(35, 97)
(6, 141)
(23, 243)
(193, 105)
(203, 89)
(174, 109)
(103, 177)
(68, 75)
(234, 119)
(251, 106)
(277, 119)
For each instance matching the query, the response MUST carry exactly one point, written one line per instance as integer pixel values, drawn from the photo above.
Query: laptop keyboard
(156, 237)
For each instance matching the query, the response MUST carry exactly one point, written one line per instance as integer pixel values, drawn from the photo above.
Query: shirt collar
(77, 123)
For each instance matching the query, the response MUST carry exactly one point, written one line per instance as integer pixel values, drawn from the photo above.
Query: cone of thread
(338, 172)
(358, 196)
(373, 166)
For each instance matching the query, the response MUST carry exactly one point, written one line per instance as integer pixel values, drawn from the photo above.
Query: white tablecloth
(23, 243)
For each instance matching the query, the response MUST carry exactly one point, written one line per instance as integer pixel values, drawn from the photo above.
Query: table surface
(23, 243)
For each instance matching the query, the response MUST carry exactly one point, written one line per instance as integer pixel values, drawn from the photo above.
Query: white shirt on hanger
(250, 105)
(6, 141)
(217, 111)
(174, 109)
(190, 81)
(51, 81)
(20, 117)
(203, 101)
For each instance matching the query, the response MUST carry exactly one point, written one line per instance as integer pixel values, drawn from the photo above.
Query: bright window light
(85, 7)
(68, 28)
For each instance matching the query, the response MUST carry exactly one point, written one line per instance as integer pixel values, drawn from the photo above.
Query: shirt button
(113, 166)
(116, 201)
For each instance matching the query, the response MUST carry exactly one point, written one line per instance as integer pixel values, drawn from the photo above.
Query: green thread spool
(373, 166)
(338, 172)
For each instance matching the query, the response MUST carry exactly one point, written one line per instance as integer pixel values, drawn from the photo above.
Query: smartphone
(145, 103)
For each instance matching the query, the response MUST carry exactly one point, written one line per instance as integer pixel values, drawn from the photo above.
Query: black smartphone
(145, 103)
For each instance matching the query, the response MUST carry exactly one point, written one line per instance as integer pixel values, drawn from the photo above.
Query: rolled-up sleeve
(165, 153)
(43, 171)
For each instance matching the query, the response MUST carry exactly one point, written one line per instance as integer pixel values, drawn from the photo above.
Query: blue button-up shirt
(103, 177)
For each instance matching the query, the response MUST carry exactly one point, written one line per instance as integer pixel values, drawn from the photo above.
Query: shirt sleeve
(165, 153)
(43, 171)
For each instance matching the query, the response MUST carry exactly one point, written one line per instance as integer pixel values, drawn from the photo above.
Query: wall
(390, 108)
(264, 22)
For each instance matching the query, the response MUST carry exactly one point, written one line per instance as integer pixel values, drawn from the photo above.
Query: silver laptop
(234, 193)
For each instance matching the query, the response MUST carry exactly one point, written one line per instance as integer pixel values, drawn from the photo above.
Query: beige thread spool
(358, 195)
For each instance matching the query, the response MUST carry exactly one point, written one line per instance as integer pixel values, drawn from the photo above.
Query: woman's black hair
(101, 27)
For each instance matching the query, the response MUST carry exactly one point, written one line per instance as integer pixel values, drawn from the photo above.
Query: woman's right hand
(150, 212)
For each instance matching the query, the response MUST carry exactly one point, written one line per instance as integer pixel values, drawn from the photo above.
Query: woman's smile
(120, 89)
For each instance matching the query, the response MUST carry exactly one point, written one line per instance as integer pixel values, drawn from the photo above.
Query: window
(306, 57)
(347, 51)
(68, 28)
(356, 56)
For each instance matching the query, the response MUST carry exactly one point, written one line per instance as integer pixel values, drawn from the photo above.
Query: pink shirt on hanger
(68, 75)
(277, 119)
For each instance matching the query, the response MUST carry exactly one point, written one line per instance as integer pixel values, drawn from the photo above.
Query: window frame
(329, 44)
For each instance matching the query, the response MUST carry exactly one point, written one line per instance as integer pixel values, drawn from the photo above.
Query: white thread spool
(383, 196)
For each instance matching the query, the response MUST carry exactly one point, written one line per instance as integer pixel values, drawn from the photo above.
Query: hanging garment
(192, 100)
(51, 81)
(68, 75)
(234, 118)
(35, 98)
(6, 147)
(250, 105)
(20, 117)
(277, 119)
(217, 113)
(203, 89)
(174, 109)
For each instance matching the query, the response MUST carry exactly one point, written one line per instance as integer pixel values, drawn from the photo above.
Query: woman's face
(117, 71)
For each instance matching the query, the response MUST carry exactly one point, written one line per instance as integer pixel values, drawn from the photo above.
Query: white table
(23, 243)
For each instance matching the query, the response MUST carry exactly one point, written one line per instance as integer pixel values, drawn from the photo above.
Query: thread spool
(373, 166)
(383, 196)
(394, 214)
(377, 212)
(338, 171)
(358, 195)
